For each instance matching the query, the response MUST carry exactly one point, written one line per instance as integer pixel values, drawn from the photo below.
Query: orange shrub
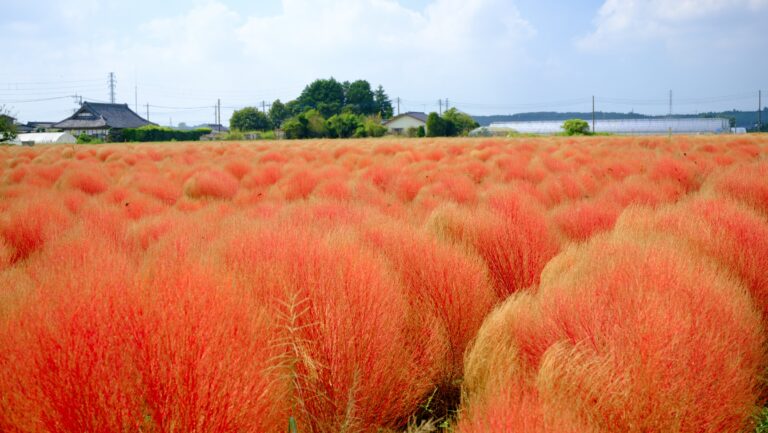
(648, 328)
(211, 184)
(342, 323)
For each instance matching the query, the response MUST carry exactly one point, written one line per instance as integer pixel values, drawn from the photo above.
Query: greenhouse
(695, 125)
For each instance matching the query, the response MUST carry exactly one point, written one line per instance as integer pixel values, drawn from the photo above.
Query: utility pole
(218, 114)
(147, 111)
(759, 110)
(263, 106)
(112, 87)
(446, 104)
(670, 103)
(398, 105)
(593, 114)
(440, 101)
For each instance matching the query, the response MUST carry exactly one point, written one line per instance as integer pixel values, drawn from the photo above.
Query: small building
(400, 124)
(99, 120)
(45, 138)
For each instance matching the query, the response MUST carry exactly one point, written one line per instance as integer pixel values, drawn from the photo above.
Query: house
(45, 138)
(38, 126)
(401, 123)
(215, 127)
(100, 120)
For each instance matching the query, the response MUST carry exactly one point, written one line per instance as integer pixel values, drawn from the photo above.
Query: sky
(483, 56)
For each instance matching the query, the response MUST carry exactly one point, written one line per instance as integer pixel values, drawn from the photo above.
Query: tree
(325, 96)
(249, 119)
(383, 104)
(576, 127)
(342, 125)
(315, 124)
(372, 127)
(436, 125)
(360, 98)
(295, 127)
(461, 123)
(293, 107)
(278, 112)
(7, 128)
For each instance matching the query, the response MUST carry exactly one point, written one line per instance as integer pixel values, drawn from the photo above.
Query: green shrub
(576, 127)
(160, 133)
(84, 138)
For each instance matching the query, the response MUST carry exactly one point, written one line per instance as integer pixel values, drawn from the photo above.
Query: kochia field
(598, 284)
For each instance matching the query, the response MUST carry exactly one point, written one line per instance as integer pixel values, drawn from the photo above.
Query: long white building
(694, 125)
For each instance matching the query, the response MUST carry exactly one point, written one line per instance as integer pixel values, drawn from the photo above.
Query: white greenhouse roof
(625, 126)
(47, 138)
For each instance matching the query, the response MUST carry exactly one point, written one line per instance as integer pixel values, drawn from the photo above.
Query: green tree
(436, 125)
(360, 98)
(7, 128)
(278, 112)
(342, 125)
(293, 107)
(295, 127)
(461, 123)
(576, 127)
(325, 96)
(372, 127)
(249, 119)
(315, 124)
(383, 104)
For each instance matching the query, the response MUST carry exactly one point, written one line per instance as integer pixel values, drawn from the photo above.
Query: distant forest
(744, 119)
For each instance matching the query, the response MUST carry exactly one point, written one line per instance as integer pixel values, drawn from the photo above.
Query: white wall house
(400, 124)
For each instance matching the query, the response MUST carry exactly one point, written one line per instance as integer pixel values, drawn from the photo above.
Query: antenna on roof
(112, 87)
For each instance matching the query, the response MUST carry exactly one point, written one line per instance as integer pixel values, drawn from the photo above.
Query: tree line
(325, 108)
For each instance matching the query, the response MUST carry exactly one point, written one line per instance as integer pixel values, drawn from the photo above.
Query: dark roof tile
(93, 115)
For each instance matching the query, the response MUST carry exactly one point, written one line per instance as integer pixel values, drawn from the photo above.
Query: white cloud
(461, 49)
(383, 41)
(622, 22)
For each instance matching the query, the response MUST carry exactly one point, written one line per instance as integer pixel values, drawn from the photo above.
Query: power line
(36, 100)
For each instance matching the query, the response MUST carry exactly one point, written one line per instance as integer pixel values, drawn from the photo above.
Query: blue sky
(484, 56)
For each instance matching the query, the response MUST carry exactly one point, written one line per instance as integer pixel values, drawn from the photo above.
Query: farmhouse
(403, 122)
(100, 119)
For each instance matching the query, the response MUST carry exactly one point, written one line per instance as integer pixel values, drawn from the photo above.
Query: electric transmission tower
(112, 87)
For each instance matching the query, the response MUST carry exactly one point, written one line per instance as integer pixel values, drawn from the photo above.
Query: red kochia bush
(746, 184)
(90, 178)
(201, 347)
(512, 237)
(212, 184)
(64, 353)
(440, 279)
(351, 355)
(733, 234)
(29, 224)
(513, 407)
(653, 337)
(518, 249)
(580, 220)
